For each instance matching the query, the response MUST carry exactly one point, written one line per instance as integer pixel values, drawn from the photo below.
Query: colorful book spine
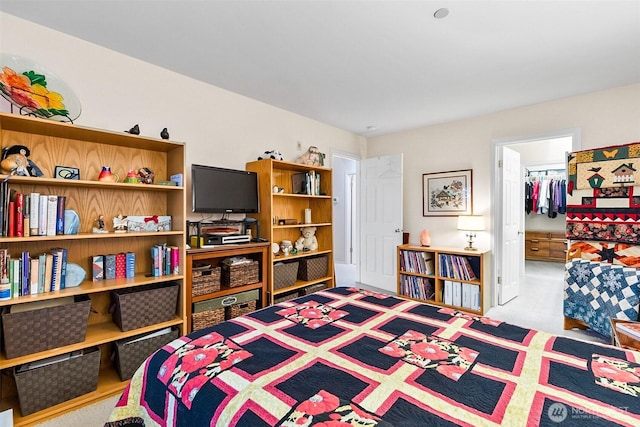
(14, 276)
(167, 261)
(42, 265)
(175, 260)
(19, 215)
(11, 222)
(48, 272)
(24, 274)
(42, 215)
(63, 274)
(121, 266)
(52, 214)
(131, 264)
(26, 218)
(97, 268)
(110, 266)
(62, 202)
(34, 270)
(34, 203)
(56, 271)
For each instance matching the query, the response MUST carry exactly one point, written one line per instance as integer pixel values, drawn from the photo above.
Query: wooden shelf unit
(545, 246)
(287, 205)
(55, 144)
(436, 276)
(214, 256)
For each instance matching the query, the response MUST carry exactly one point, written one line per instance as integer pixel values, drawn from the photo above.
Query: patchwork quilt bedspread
(350, 357)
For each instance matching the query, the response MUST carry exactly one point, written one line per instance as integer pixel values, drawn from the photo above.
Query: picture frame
(447, 193)
(67, 172)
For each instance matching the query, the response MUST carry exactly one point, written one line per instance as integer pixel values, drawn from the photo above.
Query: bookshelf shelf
(54, 144)
(428, 273)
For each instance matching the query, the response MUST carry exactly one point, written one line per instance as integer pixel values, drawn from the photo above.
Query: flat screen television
(219, 190)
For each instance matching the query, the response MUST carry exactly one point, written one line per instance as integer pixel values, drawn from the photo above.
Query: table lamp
(471, 224)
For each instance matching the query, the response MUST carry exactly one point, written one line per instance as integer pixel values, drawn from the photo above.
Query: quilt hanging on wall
(603, 194)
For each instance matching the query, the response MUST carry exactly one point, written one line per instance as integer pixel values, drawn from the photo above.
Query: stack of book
(32, 275)
(456, 267)
(306, 183)
(417, 262)
(33, 214)
(113, 266)
(165, 260)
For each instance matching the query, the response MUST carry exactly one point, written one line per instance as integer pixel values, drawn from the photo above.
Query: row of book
(113, 266)
(32, 275)
(417, 287)
(417, 262)
(33, 214)
(456, 267)
(460, 294)
(165, 260)
(306, 183)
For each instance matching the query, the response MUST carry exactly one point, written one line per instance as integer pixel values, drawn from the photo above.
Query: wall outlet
(299, 145)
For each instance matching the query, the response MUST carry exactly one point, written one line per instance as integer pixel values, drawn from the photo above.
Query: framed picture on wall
(447, 193)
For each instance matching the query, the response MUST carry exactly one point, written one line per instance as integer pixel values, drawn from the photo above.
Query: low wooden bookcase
(424, 273)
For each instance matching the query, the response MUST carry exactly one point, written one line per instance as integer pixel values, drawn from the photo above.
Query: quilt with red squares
(347, 357)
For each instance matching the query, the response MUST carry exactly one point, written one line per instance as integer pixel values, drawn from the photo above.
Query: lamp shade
(471, 222)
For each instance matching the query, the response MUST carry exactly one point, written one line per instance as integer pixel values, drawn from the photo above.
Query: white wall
(219, 127)
(605, 118)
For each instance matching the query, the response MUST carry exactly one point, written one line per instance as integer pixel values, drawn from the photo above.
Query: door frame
(576, 144)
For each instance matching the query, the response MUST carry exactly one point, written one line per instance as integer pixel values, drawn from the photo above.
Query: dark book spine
(62, 201)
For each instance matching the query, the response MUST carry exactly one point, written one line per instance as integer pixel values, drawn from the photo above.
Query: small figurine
(16, 161)
(146, 175)
(164, 134)
(120, 224)
(134, 130)
(100, 228)
(132, 177)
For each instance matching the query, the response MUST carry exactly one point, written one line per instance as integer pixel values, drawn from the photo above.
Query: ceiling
(360, 65)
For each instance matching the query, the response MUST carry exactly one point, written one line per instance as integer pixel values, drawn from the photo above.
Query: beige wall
(604, 118)
(220, 128)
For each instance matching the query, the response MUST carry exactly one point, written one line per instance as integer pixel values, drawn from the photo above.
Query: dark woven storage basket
(285, 297)
(129, 356)
(313, 268)
(45, 328)
(240, 274)
(313, 288)
(236, 310)
(205, 281)
(49, 385)
(284, 274)
(144, 305)
(204, 319)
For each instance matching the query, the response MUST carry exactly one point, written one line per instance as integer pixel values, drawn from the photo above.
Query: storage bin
(205, 280)
(313, 288)
(144, 305)
(312, 268)
(41, 329)
(245, 302)
(131, 352)
(240, 274)
(285, 297)
(43, 386)
(284, 274)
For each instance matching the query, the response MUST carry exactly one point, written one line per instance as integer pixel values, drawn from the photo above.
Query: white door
(512, 250)
(380, 220)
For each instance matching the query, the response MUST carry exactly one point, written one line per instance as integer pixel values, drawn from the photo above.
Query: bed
(347, 356)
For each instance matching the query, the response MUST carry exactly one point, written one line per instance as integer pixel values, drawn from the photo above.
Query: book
(48, 272)
(56, 275)
(110, 266)
(26, 216)
(175, 260)
(4, 266)
(121, 266)
(19, 215)
(24, 273)
(131, 264)
(63, 273)
(62, 201)
(14, 277)
(97, 268)
(42, 215)
(629, 328)
(52, 214)
(11, 222)
(34, 272)
(34, 202)
(42, 264)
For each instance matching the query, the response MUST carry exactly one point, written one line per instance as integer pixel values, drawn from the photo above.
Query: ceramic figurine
(100, 228)
(120, 224)
(134, 130)
(132, 177)
(164, 134)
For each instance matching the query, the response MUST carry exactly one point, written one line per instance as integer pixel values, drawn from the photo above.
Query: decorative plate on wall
(36, 91)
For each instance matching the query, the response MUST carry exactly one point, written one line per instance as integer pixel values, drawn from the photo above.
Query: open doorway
(345, 210)
(539, 155)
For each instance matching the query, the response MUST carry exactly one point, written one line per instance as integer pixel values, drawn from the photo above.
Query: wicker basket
(131, 352)
(142, 306)
(48, 385)
(236, 310)
(286, 297)
(313, 288)
(313, 268)
(42, 329)
(240, 274)
(205, 281)
(204, 319)
(284, 274)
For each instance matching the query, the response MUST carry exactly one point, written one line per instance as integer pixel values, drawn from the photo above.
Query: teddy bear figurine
(15, 161)
(308, 241)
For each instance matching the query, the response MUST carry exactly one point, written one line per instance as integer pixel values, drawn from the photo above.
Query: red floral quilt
(348, 357)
